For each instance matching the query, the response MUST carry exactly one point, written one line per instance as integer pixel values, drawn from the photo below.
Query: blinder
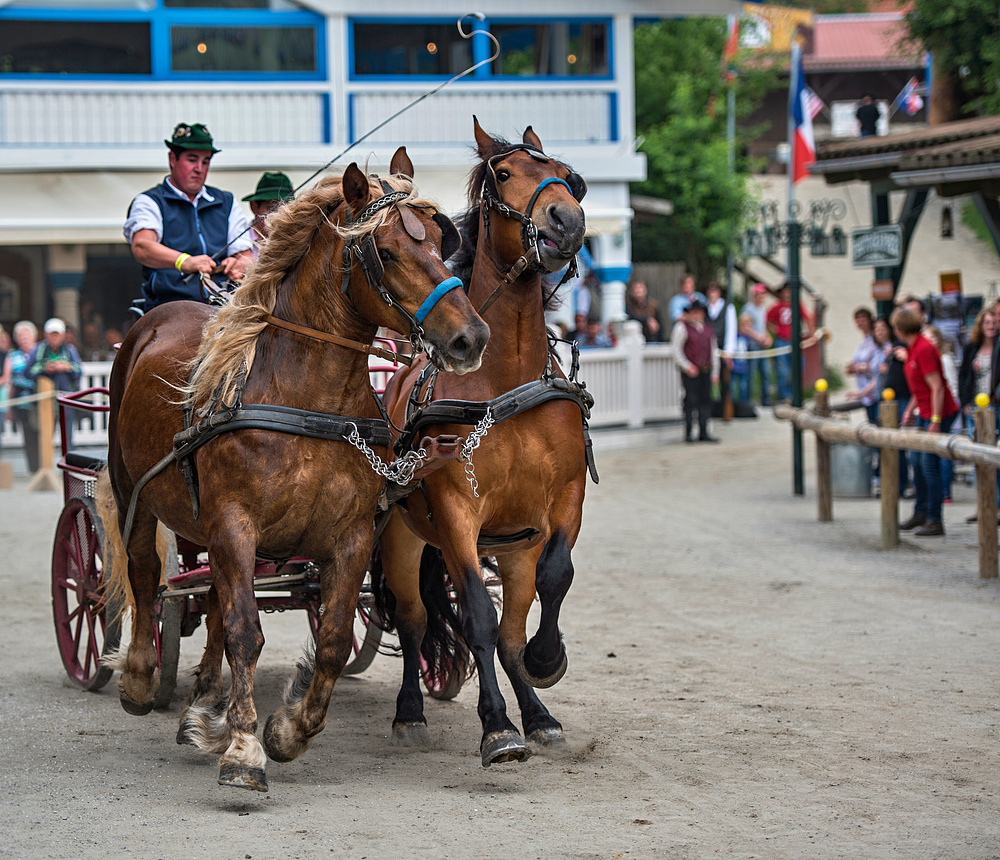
(451, 239)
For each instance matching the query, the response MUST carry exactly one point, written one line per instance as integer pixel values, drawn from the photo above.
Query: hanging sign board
(877, 246)
(882, 291)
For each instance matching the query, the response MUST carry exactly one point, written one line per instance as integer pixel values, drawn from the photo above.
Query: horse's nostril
(460, 346)
(555, 219)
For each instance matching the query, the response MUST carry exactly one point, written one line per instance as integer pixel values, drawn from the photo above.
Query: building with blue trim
(90, 88)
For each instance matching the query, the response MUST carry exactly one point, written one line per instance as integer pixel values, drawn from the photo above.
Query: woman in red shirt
(932, 408)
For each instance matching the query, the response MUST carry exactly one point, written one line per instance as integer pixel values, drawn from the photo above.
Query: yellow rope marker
(982, 400)
(822, 385)
(888, 394)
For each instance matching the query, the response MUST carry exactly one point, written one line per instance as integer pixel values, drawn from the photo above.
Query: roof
(860, 43)
(949, 156)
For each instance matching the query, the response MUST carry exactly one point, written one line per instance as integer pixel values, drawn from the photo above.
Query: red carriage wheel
(86, 627)
(367, 633)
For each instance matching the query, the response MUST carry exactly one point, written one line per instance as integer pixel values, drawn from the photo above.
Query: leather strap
(315, 334)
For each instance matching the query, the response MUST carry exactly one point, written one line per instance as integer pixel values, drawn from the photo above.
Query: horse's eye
(385, 255)
(503, 175)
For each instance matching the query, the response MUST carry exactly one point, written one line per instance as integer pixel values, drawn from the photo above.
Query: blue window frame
(237, 40)
(542, 49)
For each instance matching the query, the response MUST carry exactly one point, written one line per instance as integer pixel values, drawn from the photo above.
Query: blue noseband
(439, 291)
(551, 180)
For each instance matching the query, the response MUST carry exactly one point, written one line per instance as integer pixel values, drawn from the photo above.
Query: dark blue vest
(188, 230)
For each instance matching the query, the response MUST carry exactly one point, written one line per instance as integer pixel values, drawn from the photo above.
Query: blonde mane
(230, 339)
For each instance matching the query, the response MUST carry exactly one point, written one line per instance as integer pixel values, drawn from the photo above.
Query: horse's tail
(114, 581)
(443, 649)
(384, 610)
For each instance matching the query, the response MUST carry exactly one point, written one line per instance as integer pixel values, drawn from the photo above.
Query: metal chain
(471, 443)
(400, 471)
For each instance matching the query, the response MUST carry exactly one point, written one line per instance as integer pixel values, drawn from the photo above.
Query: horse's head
(396, 245)
(531, 201)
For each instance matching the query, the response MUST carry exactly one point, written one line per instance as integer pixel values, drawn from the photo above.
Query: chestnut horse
(525, 220)
(291, 349)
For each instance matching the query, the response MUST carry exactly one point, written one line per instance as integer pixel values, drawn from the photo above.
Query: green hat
(272, 186)
(195, 136)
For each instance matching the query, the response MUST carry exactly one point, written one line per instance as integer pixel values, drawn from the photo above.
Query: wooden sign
(882, 291)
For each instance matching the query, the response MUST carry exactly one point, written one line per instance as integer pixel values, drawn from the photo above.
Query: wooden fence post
(986, 491)
(46, 478)
(888, 459)
(824, 472)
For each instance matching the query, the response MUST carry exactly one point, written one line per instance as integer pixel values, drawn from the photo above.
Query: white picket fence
(633, 384)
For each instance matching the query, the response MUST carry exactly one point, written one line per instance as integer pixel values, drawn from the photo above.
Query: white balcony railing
(559, 116)
(80, 116)
(90, 116)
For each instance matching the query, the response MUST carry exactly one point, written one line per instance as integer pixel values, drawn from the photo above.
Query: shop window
(243, 49)
(410, 49)
(74, 48)
(556, 49)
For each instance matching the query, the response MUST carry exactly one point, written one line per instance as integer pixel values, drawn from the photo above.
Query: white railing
(633, 384)
(81, 116)
(577, 115)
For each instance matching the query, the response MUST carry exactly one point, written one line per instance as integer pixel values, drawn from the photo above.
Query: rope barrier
(820, 334)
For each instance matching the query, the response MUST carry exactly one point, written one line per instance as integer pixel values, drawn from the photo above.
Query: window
(574, 48)
(74, 48)
(272, 5)
(243, 49)
(410, 49)
(556, 49)
(162, 39)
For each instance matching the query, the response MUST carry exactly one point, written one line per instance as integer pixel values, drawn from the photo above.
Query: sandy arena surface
(743, 682)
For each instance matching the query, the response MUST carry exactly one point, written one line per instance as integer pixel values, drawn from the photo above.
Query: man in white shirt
(183, 226)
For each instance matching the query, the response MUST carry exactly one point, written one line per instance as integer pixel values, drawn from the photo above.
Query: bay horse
(525, 220)
(282, 372)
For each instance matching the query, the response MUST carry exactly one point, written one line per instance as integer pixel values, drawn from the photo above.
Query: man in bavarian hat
(272, 189)
(183, 226)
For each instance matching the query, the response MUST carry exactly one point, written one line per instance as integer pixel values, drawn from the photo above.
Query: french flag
(803, 146)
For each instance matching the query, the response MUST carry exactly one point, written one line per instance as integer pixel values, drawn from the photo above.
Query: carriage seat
(85, 461)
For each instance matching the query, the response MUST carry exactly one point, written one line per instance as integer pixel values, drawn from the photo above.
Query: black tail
(384, 610)
(443, 649)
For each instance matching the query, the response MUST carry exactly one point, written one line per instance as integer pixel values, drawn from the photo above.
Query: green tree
(677, 81)
(963, 37)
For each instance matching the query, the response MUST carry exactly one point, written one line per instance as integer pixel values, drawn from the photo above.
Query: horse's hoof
(552, 738)
(539, 681)
(243, 776)
(411, 735)
(136, 709)
(504, 746)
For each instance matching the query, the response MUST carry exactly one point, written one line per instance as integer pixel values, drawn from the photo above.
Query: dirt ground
(743, 682)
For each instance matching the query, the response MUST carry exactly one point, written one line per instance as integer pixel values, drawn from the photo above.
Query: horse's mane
(230, 339)
(463, 260)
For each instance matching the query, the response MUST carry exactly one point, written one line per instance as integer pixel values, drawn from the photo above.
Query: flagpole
(794, 280)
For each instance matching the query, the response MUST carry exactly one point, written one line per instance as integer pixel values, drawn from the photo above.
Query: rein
(356, 345)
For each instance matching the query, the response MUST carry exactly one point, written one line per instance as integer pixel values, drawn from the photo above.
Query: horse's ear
(529, 137)
(485, 144)
(401, 164)
(451, 239)
(355, 185)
